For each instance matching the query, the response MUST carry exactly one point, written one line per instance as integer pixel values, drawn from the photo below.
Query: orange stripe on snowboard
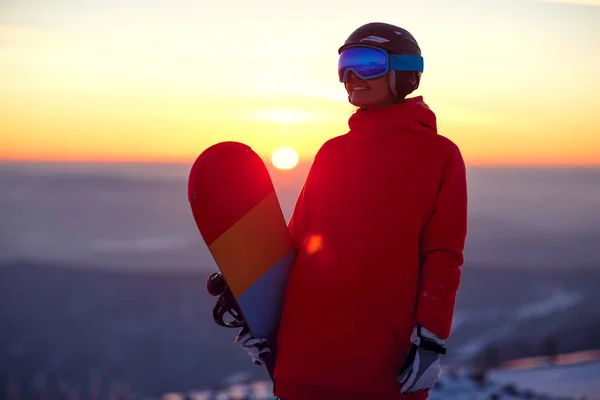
(247, 250)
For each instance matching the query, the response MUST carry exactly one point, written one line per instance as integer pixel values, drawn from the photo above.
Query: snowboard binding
(226, 304)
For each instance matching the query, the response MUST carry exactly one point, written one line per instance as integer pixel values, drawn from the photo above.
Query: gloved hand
(226, 304)
(422, 366)
(257, 348)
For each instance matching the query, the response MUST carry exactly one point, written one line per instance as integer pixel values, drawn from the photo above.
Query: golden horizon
(120, 86)
(267, 159)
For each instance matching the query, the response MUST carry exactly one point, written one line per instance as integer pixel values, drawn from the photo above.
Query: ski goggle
(371, 62)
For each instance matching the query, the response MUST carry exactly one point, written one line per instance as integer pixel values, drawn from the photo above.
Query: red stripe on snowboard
(215, 183)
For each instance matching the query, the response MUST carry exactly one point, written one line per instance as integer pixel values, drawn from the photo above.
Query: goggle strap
(406, 63)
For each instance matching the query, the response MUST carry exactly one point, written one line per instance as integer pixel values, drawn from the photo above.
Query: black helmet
(394, 40)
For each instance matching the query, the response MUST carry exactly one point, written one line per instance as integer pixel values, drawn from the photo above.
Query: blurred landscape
(102, 276)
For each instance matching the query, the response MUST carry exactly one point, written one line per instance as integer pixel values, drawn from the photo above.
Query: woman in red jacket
(380, 226)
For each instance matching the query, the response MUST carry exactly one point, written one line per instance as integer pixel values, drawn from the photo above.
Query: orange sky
(511, 83)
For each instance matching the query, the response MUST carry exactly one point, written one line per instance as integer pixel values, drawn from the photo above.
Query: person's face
(370, 93)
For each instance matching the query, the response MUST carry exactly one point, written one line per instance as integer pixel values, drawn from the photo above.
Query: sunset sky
(511, 81)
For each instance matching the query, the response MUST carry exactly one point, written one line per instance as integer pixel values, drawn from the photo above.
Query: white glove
(421, 369)
(257, 348)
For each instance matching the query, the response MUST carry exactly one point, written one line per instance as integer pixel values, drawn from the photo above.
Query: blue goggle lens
(366, 62)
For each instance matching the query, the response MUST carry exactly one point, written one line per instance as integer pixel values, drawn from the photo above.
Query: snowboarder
(380, 226)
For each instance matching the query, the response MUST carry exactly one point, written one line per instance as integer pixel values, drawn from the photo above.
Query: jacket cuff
(427, 340)
(432, 336)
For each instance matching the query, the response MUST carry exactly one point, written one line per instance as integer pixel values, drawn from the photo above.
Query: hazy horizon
(137, 215)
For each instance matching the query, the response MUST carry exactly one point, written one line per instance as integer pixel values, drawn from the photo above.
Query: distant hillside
(155, 331)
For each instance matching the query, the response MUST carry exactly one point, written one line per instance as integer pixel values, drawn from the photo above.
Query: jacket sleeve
(441, 252)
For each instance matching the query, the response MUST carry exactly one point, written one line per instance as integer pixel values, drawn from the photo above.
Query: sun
(284, 158)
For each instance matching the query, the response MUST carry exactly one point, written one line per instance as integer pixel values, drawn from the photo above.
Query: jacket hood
(412, 115)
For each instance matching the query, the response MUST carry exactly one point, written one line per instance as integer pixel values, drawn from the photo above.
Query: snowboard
(239, 217)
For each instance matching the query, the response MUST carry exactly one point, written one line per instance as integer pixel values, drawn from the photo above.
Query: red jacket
(380, 226)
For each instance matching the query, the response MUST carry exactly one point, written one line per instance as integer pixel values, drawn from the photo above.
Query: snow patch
(580, 380)
(147, 244)
(559, 300)
(555, 301)
(477, 345)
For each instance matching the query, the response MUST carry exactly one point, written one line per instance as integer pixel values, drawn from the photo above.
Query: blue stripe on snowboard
(261, 302)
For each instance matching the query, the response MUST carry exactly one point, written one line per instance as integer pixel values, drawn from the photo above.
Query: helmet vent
(375, 39)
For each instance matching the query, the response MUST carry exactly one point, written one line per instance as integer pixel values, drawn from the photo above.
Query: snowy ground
(578, 380)
(572, 382)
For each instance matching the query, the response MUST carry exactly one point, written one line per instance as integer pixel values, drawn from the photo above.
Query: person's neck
(393, 100)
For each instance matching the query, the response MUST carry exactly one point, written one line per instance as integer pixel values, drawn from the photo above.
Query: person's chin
(360, 100)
